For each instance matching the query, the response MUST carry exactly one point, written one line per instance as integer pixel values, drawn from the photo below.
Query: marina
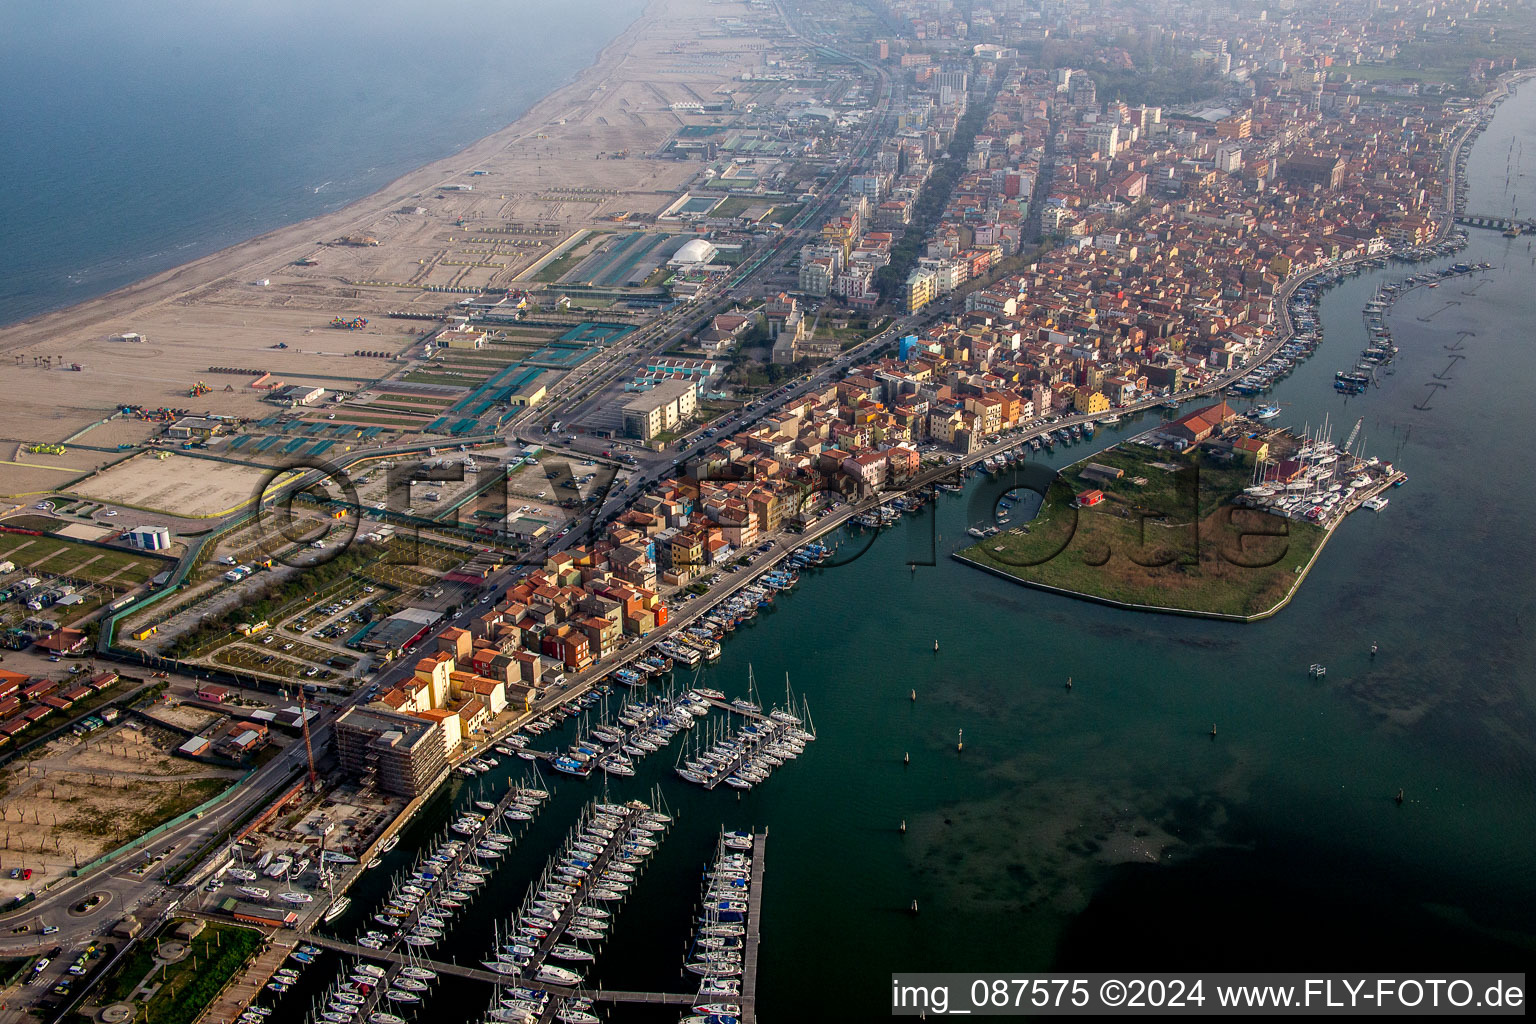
(599, 863)
(399, 960)
(746, 757)
(1307, 332)
(1308, 477)
(424, 900)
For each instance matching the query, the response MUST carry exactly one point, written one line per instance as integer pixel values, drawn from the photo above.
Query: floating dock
(754, 931)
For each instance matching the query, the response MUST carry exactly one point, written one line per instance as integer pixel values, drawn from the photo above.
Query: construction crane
(309, 750)
(1349, 444)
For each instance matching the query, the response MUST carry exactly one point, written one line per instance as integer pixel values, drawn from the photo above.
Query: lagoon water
(1101, 828)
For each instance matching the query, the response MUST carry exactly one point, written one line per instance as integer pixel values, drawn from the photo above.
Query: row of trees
(892, 278)
(276, 599)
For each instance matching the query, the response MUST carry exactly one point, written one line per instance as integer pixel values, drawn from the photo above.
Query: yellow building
(688, 551)
(838, 232)
(1238, 126)
(1251, 449)
(461, 337)
(530, 397)
(922, 288)
(1089, 402)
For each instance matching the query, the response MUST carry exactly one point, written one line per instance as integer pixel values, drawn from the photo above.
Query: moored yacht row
(421, 905)
(641, 727)
(718, 949)
(570, 906)
(742, 758)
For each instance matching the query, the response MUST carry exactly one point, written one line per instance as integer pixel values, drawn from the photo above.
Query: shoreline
(170, 284)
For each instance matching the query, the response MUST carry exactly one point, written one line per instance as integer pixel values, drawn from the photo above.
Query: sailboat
(784, 715)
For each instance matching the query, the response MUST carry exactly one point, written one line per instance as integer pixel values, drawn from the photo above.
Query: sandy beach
(584, 156)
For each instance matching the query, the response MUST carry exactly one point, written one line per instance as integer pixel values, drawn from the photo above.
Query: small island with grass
(1146, 526)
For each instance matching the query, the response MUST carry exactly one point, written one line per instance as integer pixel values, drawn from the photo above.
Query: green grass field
(1168, 541)
(184, 989)
(63, 557)
(1399, 72)
(557, 267)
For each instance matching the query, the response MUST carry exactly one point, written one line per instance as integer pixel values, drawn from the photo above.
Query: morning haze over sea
(140, 136)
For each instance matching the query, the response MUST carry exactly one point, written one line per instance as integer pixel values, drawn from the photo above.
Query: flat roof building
(659, 408)
(296, 394)
(401, 629)
(401, 754)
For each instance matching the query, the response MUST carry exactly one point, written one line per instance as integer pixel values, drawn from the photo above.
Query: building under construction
(399, 754)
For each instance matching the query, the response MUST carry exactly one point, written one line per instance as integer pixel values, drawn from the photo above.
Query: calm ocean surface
(1097, 829)
(136, 137)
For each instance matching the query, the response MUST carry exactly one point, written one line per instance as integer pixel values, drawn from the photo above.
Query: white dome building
(694, 253)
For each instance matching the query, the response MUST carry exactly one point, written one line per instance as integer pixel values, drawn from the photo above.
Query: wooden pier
(401, 960)
(492, 978)
(748, 749)
(756, 716)
(654, 998)
(243, 990)
(754, 931)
